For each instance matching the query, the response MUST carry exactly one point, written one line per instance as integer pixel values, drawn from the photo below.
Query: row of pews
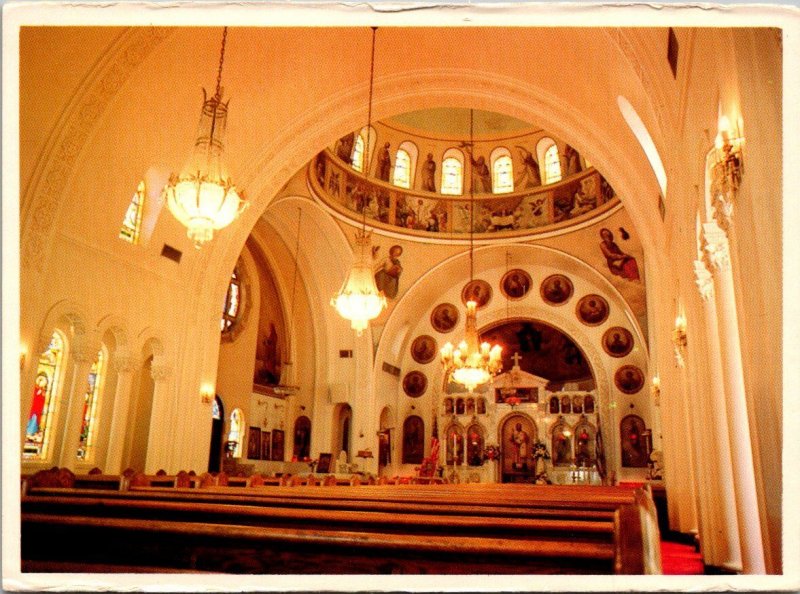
(155, 523)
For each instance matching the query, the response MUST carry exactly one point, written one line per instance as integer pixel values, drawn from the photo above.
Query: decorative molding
(124, 362)
(45, 191)
(160, 372)
(704, 280)
(717, 246)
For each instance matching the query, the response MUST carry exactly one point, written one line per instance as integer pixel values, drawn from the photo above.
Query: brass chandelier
(203, 197)
(359, 299)
(472, 363)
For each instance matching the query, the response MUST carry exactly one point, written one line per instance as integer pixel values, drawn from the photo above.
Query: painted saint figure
(384, 166)
(530, 170)
(519, 443)
(387, 277)
(429, 174)
(619, 263)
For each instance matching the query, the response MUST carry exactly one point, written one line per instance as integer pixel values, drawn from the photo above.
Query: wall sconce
(679, 339)
(729, 166)
(655, 390)
(206, 393)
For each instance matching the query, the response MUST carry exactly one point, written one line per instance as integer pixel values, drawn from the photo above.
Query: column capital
(160, 372)
(717, 246)
(704, 280)
(123, 361)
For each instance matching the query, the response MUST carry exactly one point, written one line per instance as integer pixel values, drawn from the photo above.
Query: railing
(578, 198)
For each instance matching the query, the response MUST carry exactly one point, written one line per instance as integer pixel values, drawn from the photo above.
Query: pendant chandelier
(203, 197)
(472, 363)
(359, 299)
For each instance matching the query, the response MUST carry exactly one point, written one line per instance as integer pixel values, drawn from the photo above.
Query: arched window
(453, 172)
(232, 307)
(548, 154)
(132, 223)
(358, 154)
(361, 150)
(90, 409)
(405, 163)
(502, 171)
(236, 433)
(49, 373)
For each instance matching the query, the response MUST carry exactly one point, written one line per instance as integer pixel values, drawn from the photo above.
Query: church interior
(600, 207)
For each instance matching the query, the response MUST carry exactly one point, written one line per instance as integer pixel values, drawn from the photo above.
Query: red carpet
(680, 559)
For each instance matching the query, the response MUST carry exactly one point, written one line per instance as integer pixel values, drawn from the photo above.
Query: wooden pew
(478, 522)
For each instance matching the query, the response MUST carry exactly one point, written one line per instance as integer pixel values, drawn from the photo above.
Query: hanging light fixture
(359, 299)
(203, 197)
(471, 364)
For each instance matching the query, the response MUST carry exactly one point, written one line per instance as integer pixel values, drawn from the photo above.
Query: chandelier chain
(369, 125)
(221, 61)
(471, 196)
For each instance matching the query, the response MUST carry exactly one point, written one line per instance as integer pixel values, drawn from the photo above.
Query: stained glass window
(48, 377)
(402, 169)
(552, 165)
(502, 173)
(452, 174)
(232, 305)
(358, 154)
(236, 433)
(215, 412)
(90, 400)
(132, 224)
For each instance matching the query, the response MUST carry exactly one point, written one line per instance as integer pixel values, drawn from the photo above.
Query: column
(82, 359)
(125, 366)
(735, 402)
(721, 545)
(159, 437)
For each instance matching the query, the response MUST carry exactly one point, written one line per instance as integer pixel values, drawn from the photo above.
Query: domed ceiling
(421, 173)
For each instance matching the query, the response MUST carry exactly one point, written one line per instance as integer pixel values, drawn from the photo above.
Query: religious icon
(387, 275)
(556, 289)
(515, 284)
(635, 452)
(562, 445)
(617, 341)
(324, 463)
(448, 406)
(265, 445)
(478, 291)
(277, 445)
(577, 404)
(254, 443)
(592, 310)
(588, 404)
(619, 263)
(629, 379)
(423, 349)
(444, 317)
(413, 437)
(415, 383)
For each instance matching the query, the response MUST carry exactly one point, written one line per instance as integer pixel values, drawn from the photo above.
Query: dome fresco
(417, 173)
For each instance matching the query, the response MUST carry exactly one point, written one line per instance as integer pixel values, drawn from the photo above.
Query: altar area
(517, 431)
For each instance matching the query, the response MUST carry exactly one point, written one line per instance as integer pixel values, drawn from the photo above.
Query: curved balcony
(574, 200)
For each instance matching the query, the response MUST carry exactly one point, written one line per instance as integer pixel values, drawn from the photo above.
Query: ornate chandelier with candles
(359, 299)
(203, 197)
(471, 364)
